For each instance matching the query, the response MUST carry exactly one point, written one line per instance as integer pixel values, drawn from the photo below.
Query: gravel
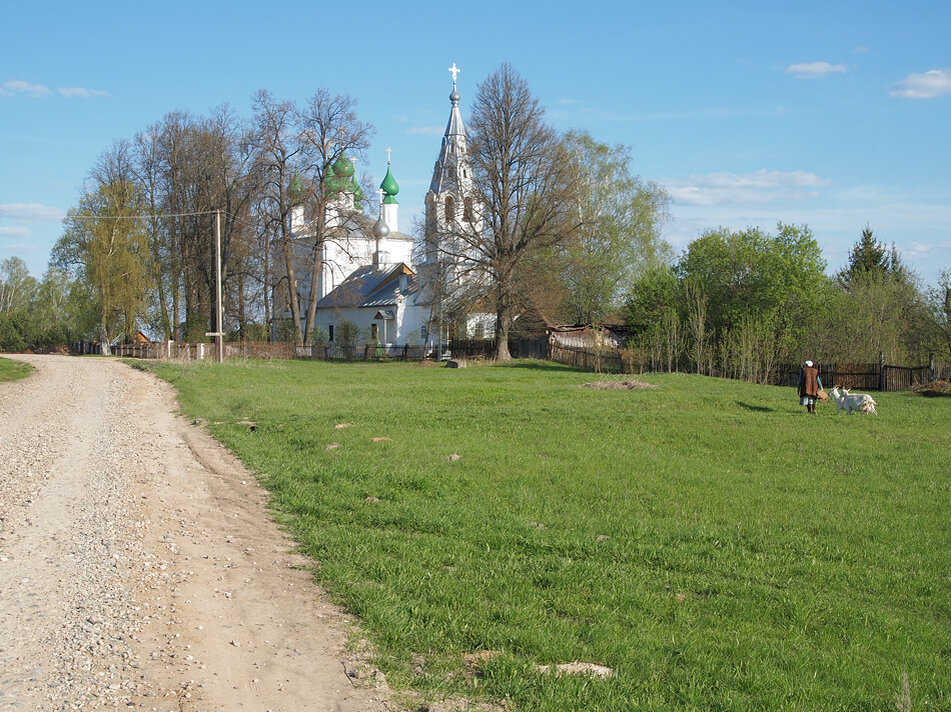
(71, 564)
(140, 567)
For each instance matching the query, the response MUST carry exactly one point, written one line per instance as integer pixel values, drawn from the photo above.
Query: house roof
(372, 287)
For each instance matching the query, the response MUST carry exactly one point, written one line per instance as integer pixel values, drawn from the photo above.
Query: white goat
(850, 402)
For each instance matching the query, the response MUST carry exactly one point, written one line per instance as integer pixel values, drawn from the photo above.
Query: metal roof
(372, 287)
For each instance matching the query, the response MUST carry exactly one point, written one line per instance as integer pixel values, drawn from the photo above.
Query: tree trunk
(105, 345)
(503, 323)
(312, 300)
(292, 290)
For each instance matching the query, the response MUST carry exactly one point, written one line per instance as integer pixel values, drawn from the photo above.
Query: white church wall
(407, 326)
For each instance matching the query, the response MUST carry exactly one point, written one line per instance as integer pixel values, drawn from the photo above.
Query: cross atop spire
(454, 70)
(388, 152)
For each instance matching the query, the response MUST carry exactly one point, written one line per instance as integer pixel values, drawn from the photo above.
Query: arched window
(450, 209)
(467, 215)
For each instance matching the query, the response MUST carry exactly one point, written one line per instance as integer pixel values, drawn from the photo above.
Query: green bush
(17, 331)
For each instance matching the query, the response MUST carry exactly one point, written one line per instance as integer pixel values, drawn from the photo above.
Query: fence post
(881, 371)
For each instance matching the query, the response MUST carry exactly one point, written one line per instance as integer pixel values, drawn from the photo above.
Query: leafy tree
(880, 311)
(655, 291)
(939, 304)
(751, 273)
(879, 307)
(619, 216)
(63, 309)
(17, 287)
(347, 334)
(105, 240)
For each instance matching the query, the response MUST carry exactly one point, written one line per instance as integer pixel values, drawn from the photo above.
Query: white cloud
(933, 83)
(30, 211)
(815, 70)
(568, 102)
(16, 86)
(426, 130)
(750, 188)
(80, 92)
(15, 231)
(917, 250)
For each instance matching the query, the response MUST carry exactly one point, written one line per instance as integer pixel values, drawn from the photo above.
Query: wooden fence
(860, 376)
(484, 348)
(179, 350)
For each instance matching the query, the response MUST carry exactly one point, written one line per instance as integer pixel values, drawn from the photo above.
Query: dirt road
(139, 568)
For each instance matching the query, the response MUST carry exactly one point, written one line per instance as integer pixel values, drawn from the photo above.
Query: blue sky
(831, 114)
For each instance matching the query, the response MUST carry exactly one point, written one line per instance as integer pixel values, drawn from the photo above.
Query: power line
(140, 217)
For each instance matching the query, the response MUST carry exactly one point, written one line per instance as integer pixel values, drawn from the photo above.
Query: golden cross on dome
(388, 152)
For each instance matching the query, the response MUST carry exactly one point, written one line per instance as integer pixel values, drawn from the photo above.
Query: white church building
(368, 278)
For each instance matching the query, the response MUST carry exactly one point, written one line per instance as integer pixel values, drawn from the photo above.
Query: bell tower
(451, 209)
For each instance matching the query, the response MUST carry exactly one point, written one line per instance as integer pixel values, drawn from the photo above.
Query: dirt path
(139, 568)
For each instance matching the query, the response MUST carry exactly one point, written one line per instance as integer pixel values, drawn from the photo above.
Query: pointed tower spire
(450, 201)
(449, 174)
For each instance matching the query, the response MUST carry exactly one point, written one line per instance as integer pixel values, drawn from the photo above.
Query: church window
(374, 332)
(479, 330)
(467, 210)
(330, 332)
(450, 209)
(424, 332)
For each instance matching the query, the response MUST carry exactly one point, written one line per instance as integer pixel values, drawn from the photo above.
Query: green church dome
(389, 184)
(295, 189)
(343, 167)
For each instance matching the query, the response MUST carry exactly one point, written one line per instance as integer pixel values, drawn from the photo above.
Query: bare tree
(280, 149)
(524, 198)
(331, 130)
(296, 152)
(150, 173)
(210, 164)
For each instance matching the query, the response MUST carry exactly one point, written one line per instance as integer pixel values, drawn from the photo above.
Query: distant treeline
(746, 301)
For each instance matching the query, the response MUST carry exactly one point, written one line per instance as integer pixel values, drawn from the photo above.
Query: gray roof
(372, 287)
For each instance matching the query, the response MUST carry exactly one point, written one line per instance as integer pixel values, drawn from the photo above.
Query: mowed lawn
(708, 540)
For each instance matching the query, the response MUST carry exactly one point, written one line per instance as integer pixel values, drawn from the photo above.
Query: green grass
(13, 370)
(708, 539)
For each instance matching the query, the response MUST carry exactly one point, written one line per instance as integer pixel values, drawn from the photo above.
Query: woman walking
(809, 385)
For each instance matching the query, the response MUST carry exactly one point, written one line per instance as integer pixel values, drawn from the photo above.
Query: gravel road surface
(139, 567)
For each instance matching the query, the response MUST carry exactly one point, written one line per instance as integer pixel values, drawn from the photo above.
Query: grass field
(12, 370)
(710, 541)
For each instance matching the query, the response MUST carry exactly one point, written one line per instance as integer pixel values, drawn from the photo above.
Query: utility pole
(219, 333)
(218, 317)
